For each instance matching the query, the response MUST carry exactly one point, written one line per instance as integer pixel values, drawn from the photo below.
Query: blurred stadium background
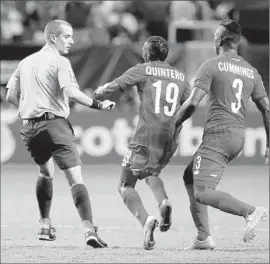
(108, 39)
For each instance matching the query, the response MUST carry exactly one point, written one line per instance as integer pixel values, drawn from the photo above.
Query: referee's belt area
(44, 117)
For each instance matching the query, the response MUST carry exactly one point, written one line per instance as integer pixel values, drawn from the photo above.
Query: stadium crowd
(105, 22)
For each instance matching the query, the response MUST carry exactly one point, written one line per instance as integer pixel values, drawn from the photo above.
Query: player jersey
(40, 79)
(230, 81)
(161, 88)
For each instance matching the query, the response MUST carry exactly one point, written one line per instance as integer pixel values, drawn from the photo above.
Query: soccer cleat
(165, 215)
(46, 233)
(207, 244)
(148, 232)
(92, 239)
(253, 219)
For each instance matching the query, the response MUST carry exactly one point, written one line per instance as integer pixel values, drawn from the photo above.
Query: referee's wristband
(96, 104)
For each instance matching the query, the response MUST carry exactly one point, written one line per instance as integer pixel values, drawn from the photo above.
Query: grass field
(19, 220)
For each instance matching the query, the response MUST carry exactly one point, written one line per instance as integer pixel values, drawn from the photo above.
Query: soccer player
(229, 81)
(40, 87)
(162, 89)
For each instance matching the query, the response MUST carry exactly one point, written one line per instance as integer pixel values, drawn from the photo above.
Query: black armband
(96, 104)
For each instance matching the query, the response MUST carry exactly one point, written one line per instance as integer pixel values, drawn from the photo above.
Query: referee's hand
(266, 156)
(107, 105)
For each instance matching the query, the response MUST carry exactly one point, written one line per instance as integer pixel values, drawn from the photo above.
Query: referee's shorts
(50, 136)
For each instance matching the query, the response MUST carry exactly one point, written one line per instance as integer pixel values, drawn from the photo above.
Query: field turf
(19, 220)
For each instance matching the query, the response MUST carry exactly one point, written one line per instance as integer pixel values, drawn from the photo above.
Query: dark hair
(234, 31)
(232, 26)
(158, 48)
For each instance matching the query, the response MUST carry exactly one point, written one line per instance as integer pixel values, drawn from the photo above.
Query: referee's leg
(44, 194)
(68, 160)
(39, 146)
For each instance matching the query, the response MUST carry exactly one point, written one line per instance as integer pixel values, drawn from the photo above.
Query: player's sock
(134, 203)
(223, 201)
(199, 214)
(157, 187)
(44, 193)
(82, 202)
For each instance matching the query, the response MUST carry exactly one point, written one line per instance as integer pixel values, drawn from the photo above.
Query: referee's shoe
(47, 233)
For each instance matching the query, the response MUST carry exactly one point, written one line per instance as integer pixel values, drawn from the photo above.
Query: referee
(40, 87)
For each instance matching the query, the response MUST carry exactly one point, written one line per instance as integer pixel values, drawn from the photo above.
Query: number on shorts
(172, 91)
(126, 158)
(198, 162)
(237, 84)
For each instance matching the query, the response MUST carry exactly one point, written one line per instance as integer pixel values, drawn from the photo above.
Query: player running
(229, 81)
(41, 87)
(162, 89)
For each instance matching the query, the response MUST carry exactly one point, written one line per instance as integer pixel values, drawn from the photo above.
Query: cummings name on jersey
(236, 69)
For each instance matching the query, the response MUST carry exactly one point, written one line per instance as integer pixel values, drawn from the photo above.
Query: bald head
(54, 27)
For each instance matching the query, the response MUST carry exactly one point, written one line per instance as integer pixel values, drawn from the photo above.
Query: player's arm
(68, 83)
(190, 105)
(127, 80)
(263, 106)
(186, 93)
(13, 86)
(202, 85)
(107, 89)
(260, 98)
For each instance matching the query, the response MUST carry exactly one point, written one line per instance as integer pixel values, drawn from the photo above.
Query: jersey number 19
(172, 91)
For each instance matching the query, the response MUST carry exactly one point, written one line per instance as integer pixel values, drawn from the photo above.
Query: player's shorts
(212, 157)
(51, 138)
(144, 161)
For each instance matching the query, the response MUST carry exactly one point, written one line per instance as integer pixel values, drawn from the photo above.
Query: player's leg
(199, 215)
(208, 170)
(67, 158)
(130, 196)
(155, 183)
(133, 201)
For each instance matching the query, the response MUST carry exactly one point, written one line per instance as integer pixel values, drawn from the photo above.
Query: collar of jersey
(50, 48)
(232, 55)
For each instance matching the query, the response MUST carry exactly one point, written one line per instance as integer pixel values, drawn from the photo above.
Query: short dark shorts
(212, 157)
(144, 161)
(51, 138)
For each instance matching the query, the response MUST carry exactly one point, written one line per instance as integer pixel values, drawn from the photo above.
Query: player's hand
(107, 105)
(266, 156)
(101, 90)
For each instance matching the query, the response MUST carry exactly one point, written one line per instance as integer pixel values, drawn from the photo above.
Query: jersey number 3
(172, 91)
(238, 86)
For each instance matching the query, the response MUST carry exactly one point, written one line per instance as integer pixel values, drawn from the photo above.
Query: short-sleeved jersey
(40, 79)
(161, 88)
(230, 81)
